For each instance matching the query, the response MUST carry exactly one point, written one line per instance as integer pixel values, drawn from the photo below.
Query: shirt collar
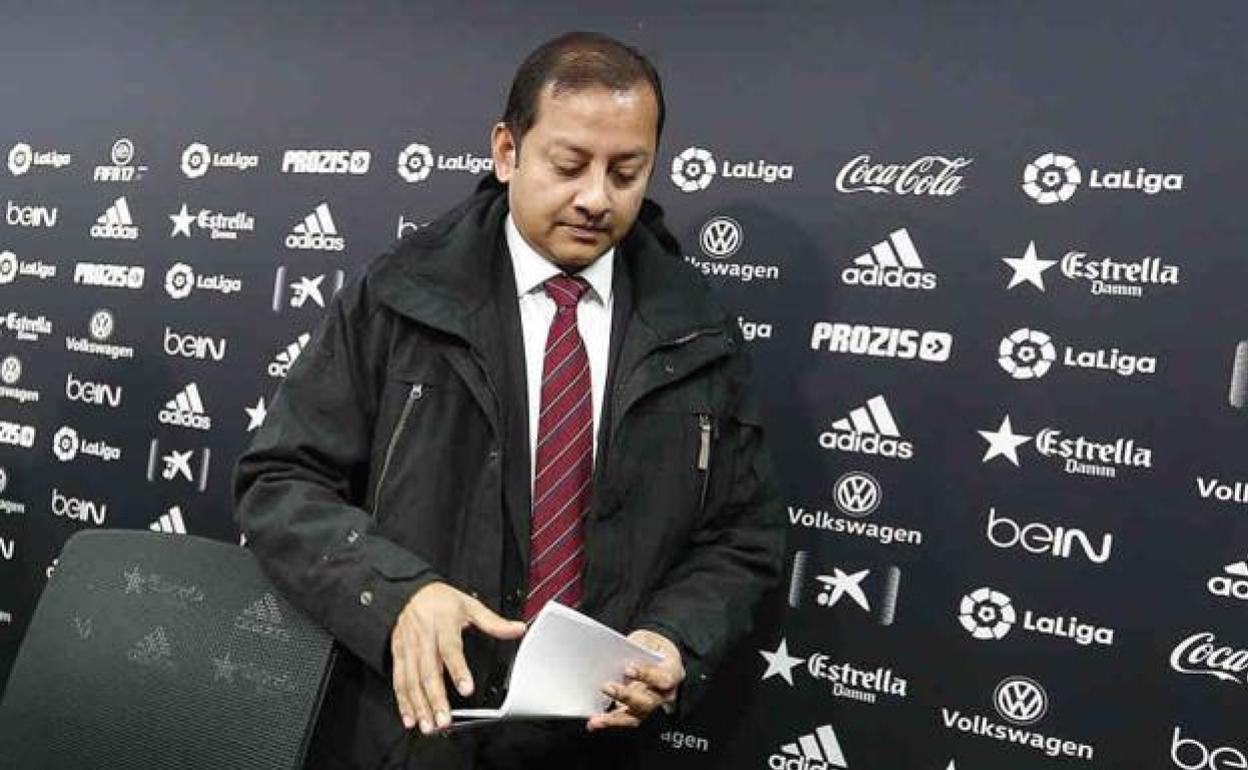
(532, 269)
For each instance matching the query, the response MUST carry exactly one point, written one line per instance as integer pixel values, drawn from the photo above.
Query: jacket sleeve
(706, 602)
(300, 487)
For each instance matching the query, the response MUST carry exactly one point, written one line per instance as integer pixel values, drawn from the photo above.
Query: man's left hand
(647, 688)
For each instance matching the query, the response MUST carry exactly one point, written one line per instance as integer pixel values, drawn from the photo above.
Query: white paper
(563, 662)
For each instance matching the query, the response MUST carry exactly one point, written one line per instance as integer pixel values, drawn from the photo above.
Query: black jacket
(396, 453)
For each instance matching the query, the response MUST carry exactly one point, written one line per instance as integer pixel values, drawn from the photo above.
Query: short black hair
(574, 61)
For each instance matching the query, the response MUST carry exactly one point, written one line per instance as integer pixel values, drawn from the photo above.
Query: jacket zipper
(704, 455)
(413, 395)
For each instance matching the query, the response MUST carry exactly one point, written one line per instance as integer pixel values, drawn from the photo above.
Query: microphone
(1239, 377)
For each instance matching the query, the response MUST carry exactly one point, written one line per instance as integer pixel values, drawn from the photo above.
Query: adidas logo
(893, 264)
(1233, 583)
(171, 523)
(153, 649)
(116, 222)
(316, 232)
(868, 430)
(820, 750)
(285, 358)
(186, 409)
(264, 617)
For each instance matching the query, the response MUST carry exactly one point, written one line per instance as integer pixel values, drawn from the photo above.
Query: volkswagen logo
(720, 237)
(857, 494)
(1020, 700)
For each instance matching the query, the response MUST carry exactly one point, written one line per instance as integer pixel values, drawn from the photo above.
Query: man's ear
(503, 148)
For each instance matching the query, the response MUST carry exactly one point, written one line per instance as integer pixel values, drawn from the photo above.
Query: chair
(150, 651)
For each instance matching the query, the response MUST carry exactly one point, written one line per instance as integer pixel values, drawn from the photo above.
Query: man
(531, 399)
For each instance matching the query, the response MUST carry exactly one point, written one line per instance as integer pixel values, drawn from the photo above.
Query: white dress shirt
(537, 311)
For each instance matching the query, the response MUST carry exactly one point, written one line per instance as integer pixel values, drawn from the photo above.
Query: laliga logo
(987, 614)
(415, 162)
(1027, 354)
(21, 157)
(65, 444)
(693, 169)
(1051, 178)
(196, 159)
(179, 281)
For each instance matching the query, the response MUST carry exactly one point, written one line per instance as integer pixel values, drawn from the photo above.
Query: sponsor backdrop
(989, 259)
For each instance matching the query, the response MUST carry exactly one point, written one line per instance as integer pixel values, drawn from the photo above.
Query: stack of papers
(563, 663)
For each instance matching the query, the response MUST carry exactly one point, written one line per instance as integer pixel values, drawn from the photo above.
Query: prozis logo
(67, 445)
(416, 161)
(23, 158)
(309, 291)
(219, 226)
(988, 614)
(25, 328)
(1055, 177)
(16, 434)
(100, 328)
(123, 168)
(109, 275)
(1191, 754)
(1232, 583)
(1022, 702)
(1046, 539)
(355, 162)
(893, 263)
(1105, 276)
(29, 215)
(286, 357)
(198, 158)
(191, 345)
(1222, 491)
(720, 239)
(116, 223)
(10, 376)
(858, 683)
(181, 280)
(1079, 455)
(932, 175)
(881, 341)
(872, 591)
(857, 495)
(1028, 354)
(818, 750)
(695, 167)
(317, 232)
(1201, 654)
(868, 430)
(12, 268)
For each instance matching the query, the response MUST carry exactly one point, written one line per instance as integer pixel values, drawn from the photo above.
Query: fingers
(431, 680)
(661, 677)
(636, 697)
(451, 648)
(618, 717)
(413, 707)
(486, 621)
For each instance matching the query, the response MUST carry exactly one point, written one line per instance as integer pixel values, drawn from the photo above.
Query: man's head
(577, 144)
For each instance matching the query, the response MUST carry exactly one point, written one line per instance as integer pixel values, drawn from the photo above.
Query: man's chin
(577, 257)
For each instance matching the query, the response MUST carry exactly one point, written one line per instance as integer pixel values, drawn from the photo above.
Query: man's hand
(427, 638)
(648, 688)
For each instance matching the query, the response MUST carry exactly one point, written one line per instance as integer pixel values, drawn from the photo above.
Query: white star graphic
(1028, 268)
(780, 663)
(843, 583)
(1003, 442)
(182, 222)
(256, 415)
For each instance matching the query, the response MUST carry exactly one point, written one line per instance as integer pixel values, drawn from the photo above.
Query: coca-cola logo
(933, 175)
(1201, 654)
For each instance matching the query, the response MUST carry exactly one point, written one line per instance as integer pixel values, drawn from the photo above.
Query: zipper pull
(704, 445)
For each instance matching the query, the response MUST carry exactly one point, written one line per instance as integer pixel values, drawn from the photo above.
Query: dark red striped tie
(565, 460)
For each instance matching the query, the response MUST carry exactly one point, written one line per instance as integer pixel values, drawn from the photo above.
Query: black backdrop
(896, 659)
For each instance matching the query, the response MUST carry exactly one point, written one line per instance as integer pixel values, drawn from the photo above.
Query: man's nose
(592, 200)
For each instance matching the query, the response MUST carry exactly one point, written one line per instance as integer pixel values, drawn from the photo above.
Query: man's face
(582, 172)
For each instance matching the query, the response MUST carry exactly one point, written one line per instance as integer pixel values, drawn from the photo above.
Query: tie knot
(565, 290)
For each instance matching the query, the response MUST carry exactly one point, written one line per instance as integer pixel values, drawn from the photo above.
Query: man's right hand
(427, 638)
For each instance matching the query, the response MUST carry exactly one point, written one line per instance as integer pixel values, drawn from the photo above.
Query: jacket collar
(441, 275)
